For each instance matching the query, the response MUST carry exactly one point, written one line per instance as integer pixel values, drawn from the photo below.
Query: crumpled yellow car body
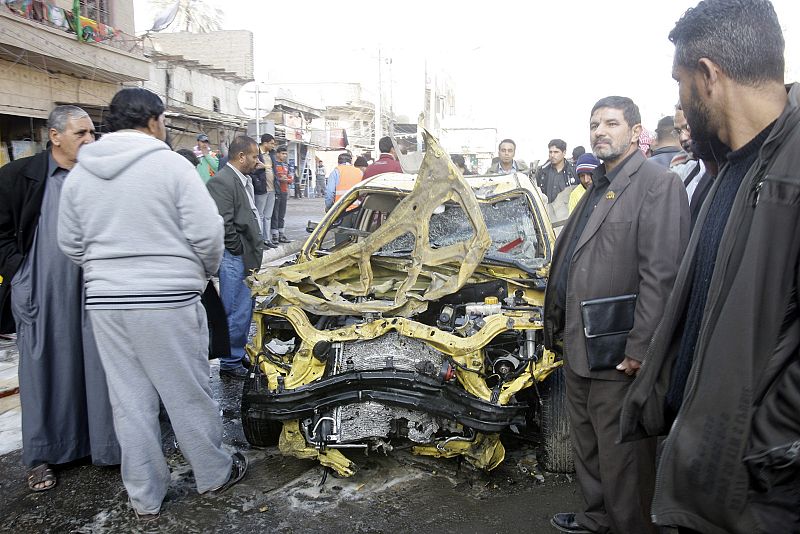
(413, 319)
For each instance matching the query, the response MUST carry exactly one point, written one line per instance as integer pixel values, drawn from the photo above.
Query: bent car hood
(328, 285)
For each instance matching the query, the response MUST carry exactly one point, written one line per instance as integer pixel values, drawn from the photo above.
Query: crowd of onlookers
(670, 146)
(106, 266)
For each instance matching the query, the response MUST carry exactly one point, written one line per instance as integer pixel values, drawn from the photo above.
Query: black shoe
(270, 244)
(238, 373)
(238, 469)
(283, 239)
(567, 523)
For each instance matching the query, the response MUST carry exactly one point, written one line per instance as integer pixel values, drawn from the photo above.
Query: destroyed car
(412, 318)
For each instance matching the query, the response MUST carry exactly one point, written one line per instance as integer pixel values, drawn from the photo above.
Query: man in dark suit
(232, 190)
(626, 237)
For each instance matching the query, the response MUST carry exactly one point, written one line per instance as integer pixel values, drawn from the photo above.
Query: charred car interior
(412, 318)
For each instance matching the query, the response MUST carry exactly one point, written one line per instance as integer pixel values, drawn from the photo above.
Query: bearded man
(723, 373)
(616, 259)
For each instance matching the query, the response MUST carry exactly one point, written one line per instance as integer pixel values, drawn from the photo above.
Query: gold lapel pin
(610, 195)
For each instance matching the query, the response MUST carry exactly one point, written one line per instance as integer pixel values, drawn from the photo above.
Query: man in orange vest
(341, 179)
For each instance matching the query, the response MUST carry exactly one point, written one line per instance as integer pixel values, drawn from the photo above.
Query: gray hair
(61, 114)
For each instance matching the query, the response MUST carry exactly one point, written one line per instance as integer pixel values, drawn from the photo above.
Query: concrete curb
(9, 360)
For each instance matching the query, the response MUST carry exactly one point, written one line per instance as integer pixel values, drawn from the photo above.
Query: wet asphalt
(395, 493)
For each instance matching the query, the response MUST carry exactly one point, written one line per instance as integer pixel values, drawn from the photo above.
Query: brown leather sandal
(41, 478)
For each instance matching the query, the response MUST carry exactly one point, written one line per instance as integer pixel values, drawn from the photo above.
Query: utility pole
(258, 116)
(424, 114)
(432, 101)
(391, 100)
(378, 106)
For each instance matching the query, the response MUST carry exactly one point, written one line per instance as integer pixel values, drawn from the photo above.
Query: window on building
(98, 10)
(215, 104)
(188, 98)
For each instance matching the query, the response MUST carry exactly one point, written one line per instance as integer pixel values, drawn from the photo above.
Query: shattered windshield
(510, 222)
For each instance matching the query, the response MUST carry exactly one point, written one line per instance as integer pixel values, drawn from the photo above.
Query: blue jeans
(238, 304)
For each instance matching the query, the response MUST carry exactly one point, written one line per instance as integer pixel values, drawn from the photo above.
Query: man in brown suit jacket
(626, 237)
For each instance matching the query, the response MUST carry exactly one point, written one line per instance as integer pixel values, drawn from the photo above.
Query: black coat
(219, 340)
(552, 182)
(22, 184)
(730, 462)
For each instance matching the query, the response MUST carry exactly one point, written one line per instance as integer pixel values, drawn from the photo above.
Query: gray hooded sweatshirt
(139, 220)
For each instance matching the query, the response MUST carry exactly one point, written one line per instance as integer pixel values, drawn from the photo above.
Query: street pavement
(299, 212)
(395, 493)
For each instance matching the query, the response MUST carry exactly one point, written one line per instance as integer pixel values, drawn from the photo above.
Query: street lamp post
(378, 106)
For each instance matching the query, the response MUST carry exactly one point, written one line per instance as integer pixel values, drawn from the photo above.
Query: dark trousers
(616, 480)
(279, 212)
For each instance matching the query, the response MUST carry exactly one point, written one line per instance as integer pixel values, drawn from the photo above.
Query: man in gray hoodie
(146, 232)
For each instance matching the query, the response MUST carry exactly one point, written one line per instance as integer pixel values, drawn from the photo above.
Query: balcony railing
(63, 19)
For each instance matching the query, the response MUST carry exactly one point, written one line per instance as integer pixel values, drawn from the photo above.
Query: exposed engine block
(366, 420)
(391, 351)
(360, 421)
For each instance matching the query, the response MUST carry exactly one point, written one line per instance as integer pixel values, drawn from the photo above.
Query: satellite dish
(166, 17)
(256, 95)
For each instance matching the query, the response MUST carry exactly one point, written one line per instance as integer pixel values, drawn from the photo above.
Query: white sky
(531, 69)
